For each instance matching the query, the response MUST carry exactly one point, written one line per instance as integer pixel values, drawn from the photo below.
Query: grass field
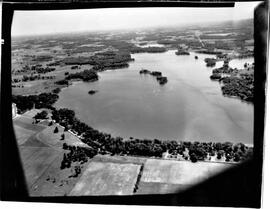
(26, 123)
(32, 113)
(41, 86)
(41, 155)
(120, 159)
(54, 139)
(56, 182)
(101, 178)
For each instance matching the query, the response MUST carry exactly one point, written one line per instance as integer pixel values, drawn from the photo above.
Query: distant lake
(189, 107)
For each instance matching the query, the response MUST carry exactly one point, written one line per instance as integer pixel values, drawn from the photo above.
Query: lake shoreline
(125, 74)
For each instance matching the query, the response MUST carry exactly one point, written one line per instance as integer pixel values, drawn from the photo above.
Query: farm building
(14, 110)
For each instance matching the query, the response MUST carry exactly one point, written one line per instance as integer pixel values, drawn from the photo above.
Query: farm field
(159, 188)
(41, 156)
(37, 164)
(56, 181)
(22, 134)
(180, 172)
(26, 123)
(101, 178)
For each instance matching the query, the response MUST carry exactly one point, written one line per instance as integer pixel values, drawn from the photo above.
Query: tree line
(104, 143)
(43, 100)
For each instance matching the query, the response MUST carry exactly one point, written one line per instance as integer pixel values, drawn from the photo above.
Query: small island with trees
(210, 62)
(91, 92)
(161, 79)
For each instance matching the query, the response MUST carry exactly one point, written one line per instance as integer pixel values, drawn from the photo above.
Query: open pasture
(56, 181)
(101, 178)
(54, 139)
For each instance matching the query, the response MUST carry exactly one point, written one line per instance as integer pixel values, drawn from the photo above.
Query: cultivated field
(162, 176)
(159, 188)
(101, 178)
(37, 164)
(22, 134)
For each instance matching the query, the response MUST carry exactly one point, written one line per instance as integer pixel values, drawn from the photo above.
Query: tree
(228, 158)
(56, 130)
(77, 170)
(56, 91)
(41, 115)
(193, 158)
(65, 146)
(62, 136)
(236, 157)
(219, 154)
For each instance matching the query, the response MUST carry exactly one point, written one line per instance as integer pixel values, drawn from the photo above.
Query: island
(91, 92)
(210, 62)
(156, 73)
(162, 80)
(145, 71)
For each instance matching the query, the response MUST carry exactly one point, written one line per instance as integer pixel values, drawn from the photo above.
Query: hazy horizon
(31, 23)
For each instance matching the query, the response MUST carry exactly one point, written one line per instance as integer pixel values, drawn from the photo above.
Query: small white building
(14, 110)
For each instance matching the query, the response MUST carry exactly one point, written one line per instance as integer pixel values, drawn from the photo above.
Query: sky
(63, 21)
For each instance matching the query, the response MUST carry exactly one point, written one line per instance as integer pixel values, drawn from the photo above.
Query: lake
(189, 107)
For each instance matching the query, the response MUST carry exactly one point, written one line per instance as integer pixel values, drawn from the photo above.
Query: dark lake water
(189, 107)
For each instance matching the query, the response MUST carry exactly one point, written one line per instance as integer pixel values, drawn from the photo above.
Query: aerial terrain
(147, 111)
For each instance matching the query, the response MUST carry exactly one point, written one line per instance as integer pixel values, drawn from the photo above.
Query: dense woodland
(242, 87)
(236, 84)
(86, 75)
(43, 100)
